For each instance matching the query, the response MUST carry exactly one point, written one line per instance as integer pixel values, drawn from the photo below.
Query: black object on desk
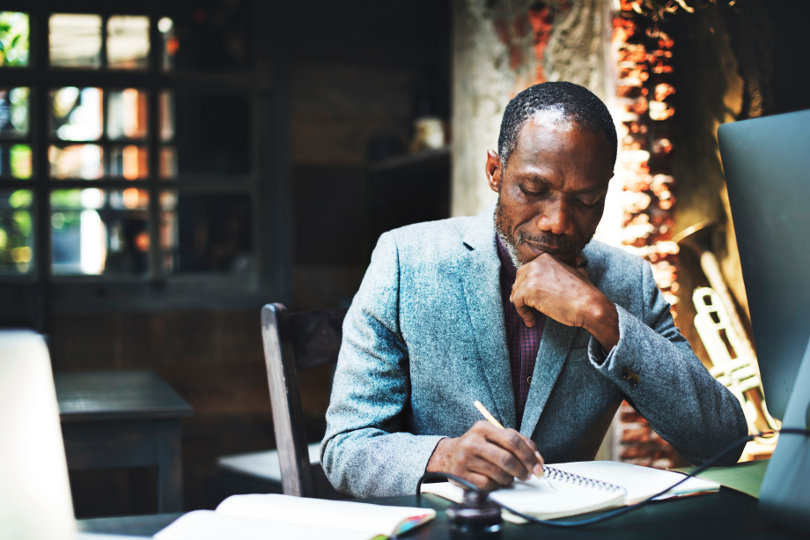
(123, 419)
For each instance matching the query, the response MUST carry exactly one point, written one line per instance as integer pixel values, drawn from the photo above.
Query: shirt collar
(507, 266)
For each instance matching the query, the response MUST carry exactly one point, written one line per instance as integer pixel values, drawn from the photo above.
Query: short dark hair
(576, 102)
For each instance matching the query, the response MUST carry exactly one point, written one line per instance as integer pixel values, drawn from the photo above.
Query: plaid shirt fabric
(522, 341)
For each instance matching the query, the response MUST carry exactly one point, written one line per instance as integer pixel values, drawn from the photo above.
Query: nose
(555, 217)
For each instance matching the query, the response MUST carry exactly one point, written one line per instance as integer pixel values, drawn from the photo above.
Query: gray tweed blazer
(424, 338)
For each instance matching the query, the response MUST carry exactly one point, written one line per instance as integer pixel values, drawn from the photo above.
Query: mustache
(557, 243)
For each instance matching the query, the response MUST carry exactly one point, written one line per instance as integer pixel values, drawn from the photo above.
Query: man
(523, 312)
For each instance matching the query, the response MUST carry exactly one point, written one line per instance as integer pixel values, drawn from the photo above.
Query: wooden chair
(292, 342)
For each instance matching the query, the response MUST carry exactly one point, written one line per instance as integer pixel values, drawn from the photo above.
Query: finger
(482, 482)
(514, 455)
(524, 311)
(529, 315)
(538, 467)
(528, 442)
(496, 476)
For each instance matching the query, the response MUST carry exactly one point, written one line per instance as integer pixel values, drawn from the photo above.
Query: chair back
(293, 342)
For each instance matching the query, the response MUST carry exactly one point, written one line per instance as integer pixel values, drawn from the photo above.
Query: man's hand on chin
(564, 293)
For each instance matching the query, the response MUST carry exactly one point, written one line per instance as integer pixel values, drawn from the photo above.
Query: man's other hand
(487, 456)
(564, 293)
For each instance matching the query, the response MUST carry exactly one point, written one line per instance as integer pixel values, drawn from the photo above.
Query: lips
(543, 248)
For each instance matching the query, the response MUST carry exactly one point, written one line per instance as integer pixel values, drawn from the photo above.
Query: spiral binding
(571, 478)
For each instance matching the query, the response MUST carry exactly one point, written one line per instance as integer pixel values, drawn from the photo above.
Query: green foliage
(16, 232)
(66, 198)
(14, 39)
(21, 198)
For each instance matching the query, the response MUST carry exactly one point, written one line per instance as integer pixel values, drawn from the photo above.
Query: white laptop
(35, 499)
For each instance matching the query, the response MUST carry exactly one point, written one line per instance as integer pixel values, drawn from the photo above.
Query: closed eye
(534, 193)
(588, 203)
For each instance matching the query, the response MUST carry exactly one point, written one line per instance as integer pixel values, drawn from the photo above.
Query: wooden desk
(726, 514)
(124, 419)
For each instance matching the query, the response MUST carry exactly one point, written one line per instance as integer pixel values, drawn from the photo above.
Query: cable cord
(619, 511)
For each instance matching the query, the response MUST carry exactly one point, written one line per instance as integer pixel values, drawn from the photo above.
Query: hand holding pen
(488, 456)
(537, 471)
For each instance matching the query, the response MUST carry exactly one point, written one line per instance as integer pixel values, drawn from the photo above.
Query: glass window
(96, 231)
(76, 113)
(208, 36)
(16, 232)
(170, 43)
(127, 42)
(213, 134)
(14, 111)
(128, 161)
(75, 40)
(166, 113)
(126, 114)
(15, 161)
(14, 39)
(104, 158)
(206, 232)
(83, 161)
(168, 162)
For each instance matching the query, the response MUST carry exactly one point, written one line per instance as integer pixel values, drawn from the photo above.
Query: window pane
(14, 111)
(206, 233)
(128, 161)
(76, 113)
(170, 43)
(126, 114)
(95, 231)
(16, 232)
(213, 134)
(15, 161)
(127, 42)
(168, 162)
(84, 161)
(209, 35)
(166, 112)
(14, 38)
(75, 40)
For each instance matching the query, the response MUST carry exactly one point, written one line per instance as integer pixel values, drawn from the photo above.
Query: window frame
(266, 183)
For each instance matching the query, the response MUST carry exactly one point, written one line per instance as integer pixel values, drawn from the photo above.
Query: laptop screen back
(35, 499)
(767, 167)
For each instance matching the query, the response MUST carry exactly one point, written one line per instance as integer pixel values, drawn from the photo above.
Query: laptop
(766, 162)
(35, 498)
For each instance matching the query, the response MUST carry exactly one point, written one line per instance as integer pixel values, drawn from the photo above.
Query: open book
(582, 486)
(263, 516)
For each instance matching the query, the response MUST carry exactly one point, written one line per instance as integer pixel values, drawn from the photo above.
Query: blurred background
(166, 168)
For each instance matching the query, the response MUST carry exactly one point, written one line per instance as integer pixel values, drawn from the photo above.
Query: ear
(493, 170)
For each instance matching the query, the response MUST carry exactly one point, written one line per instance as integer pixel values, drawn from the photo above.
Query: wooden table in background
(123, 419)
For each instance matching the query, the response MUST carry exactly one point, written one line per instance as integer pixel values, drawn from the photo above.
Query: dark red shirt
(522, 341)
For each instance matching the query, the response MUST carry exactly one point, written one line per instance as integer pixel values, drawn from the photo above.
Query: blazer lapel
(551, 356)
(480, 277)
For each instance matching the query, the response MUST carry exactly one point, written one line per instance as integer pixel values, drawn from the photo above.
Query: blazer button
(529, 379)
(630, 377)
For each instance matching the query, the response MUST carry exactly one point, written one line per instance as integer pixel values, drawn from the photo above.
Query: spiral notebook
(581, 487)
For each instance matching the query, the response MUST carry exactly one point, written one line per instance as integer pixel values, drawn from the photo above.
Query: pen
(492, 420)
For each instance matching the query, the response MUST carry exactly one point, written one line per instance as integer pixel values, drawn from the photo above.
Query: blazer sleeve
(655, 368)
(368, 449)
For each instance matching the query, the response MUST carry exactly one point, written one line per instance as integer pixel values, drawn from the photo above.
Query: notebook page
(211, 525)
(375, 518)
(639, 482)
(551, 498)
(558, 498)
